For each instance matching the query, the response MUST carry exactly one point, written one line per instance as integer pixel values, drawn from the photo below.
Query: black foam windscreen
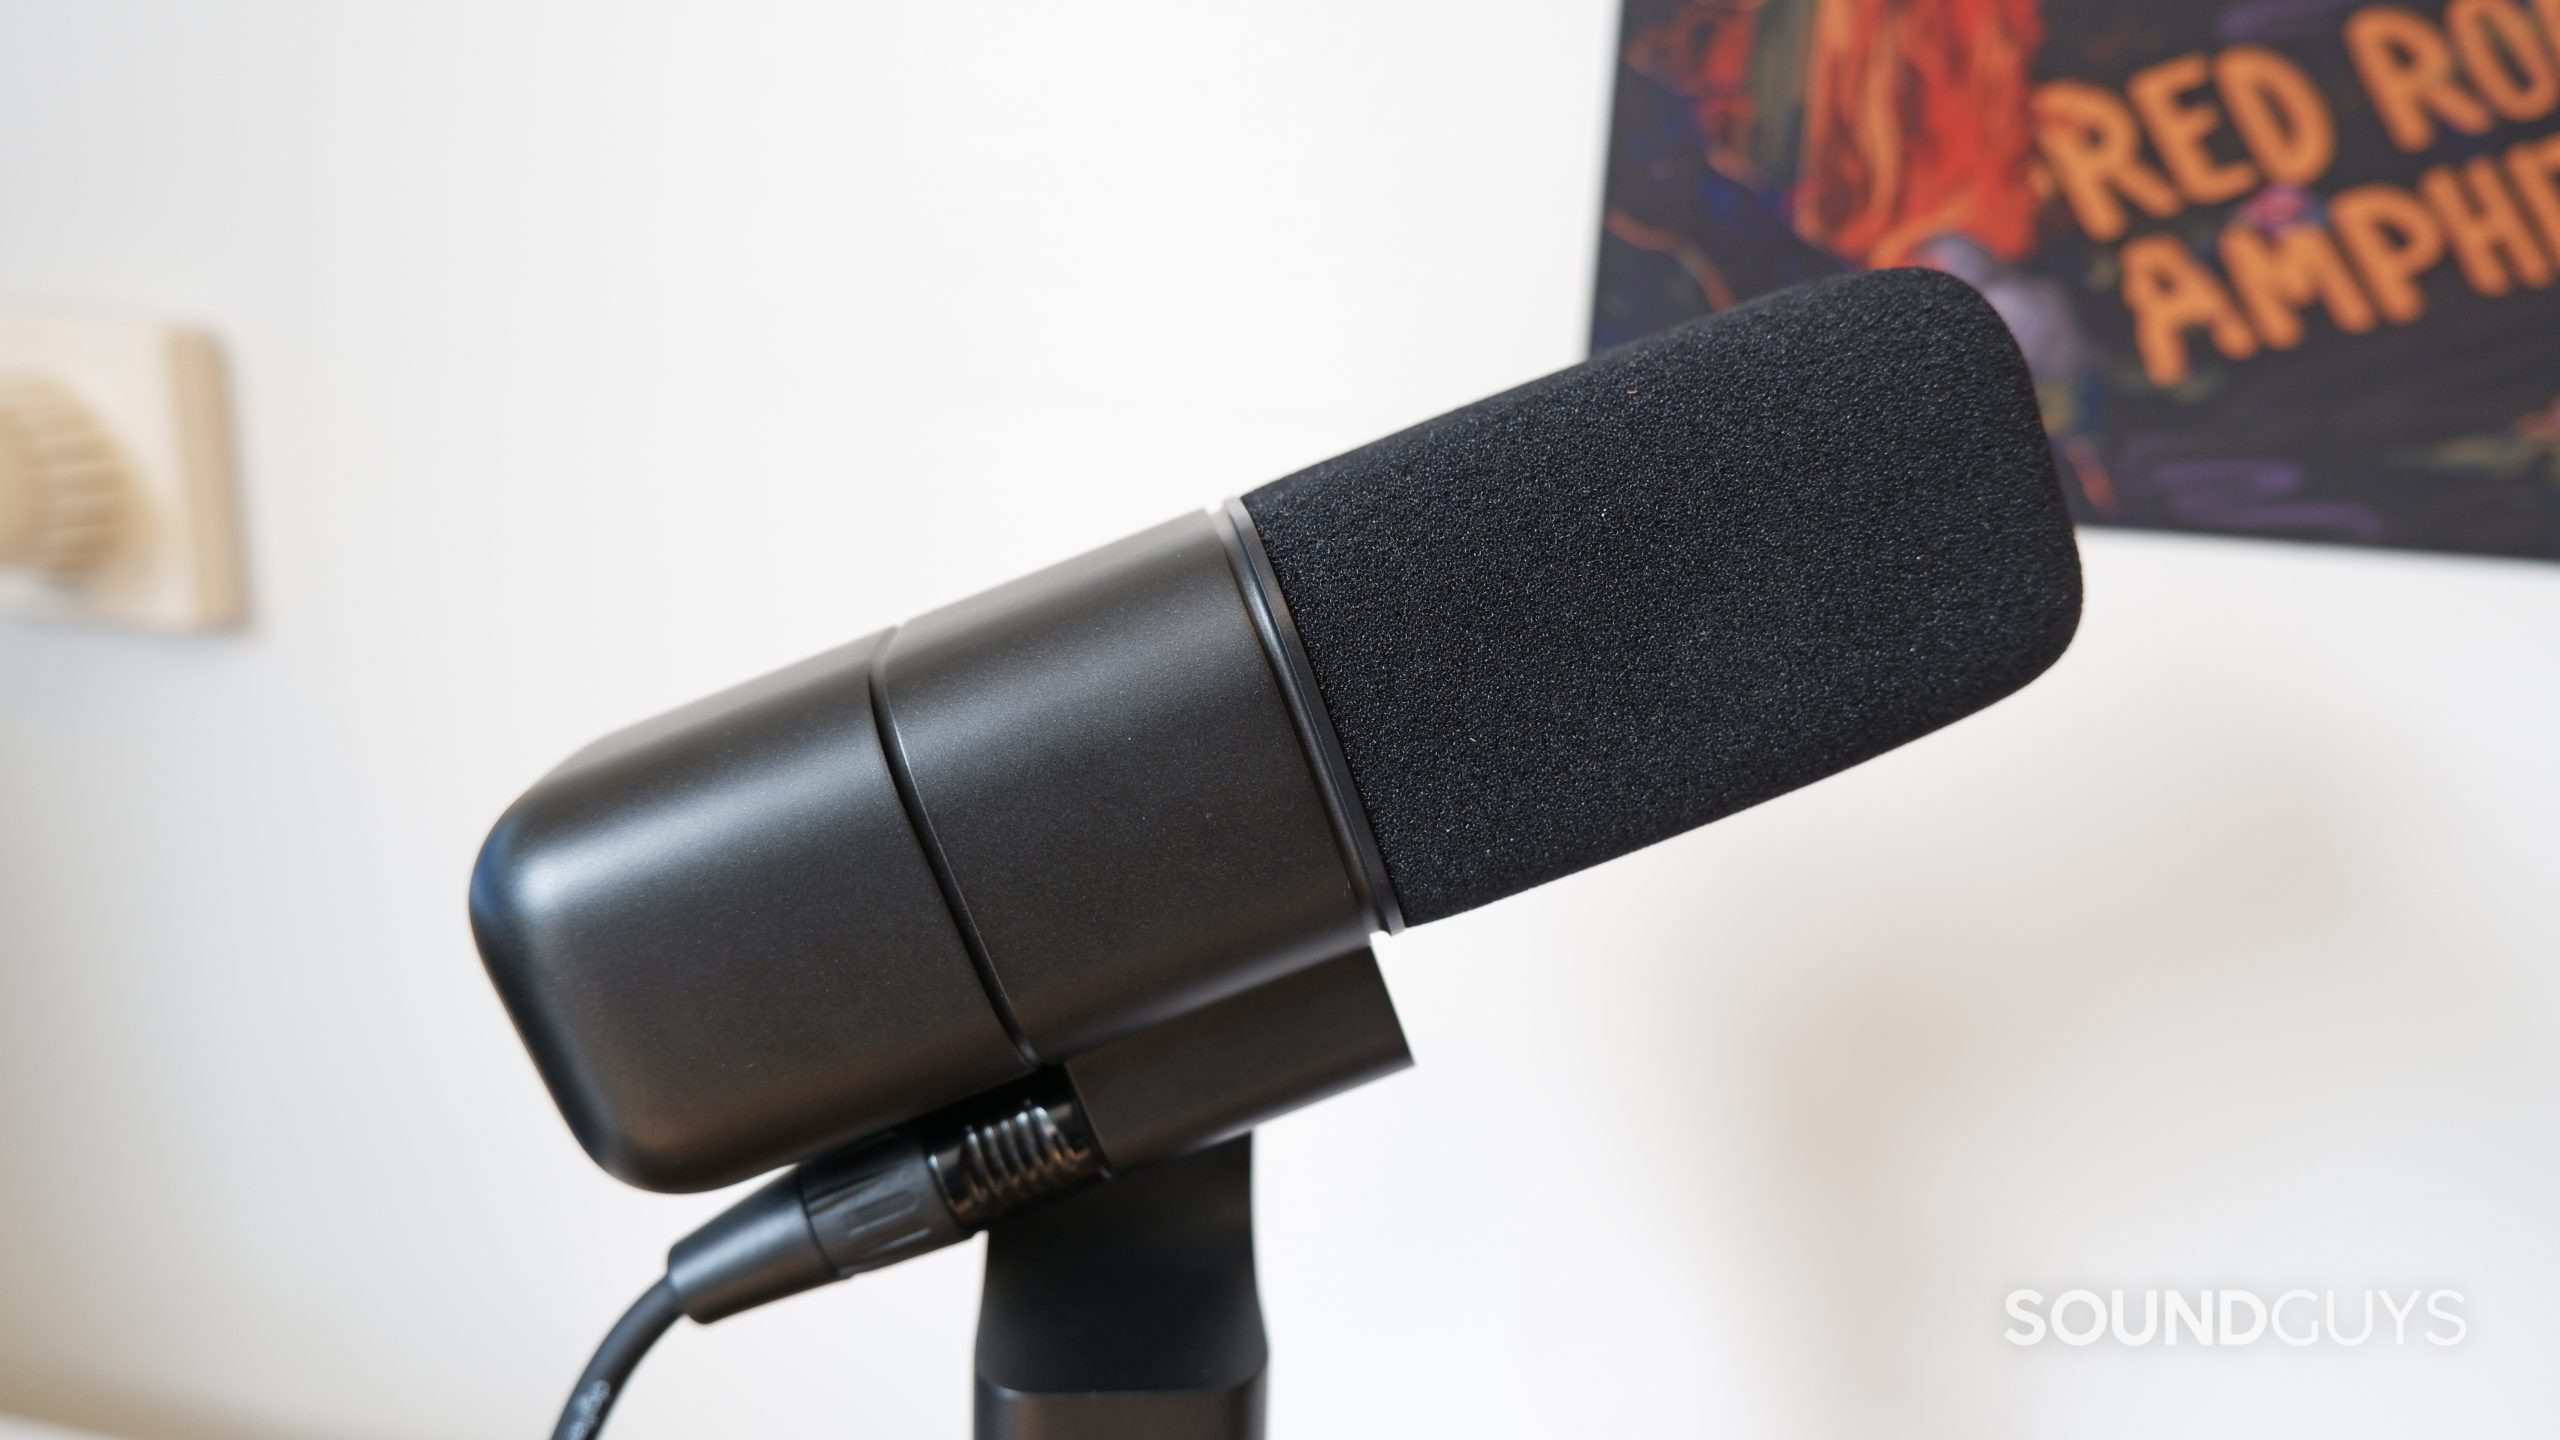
(1695, 573)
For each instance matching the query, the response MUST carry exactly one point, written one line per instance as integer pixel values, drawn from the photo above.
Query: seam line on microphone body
(894, 749)
(1287, 655)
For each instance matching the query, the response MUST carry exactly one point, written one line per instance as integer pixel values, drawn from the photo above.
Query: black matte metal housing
(1106, 764)
(722, 941)
(1008, 834)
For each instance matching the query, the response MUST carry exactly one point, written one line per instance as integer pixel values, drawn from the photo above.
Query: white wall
(594, 356)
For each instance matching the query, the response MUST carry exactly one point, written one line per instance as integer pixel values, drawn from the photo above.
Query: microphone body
(1132, 818)
(922, 865)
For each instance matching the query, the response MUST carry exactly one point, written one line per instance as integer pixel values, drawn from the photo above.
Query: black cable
(872, 1204)
(615, 1359)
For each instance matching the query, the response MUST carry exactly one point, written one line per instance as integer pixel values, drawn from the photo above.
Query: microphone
(1082, 870)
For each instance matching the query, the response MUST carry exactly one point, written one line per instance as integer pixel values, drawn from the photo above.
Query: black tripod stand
(1129, 1311)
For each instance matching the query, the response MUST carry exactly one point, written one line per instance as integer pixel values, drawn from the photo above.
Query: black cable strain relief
(992, 1168)
(751, 1254)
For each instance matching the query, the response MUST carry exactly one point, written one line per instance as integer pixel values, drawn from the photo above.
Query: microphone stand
(1128, 1311)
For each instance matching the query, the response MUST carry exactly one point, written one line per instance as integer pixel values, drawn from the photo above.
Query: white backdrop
(594, 356)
